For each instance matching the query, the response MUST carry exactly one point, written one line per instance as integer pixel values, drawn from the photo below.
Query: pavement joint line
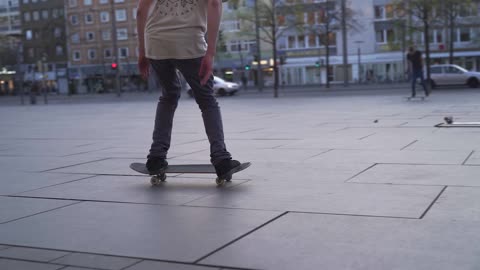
(251, 130)
(242, 236)
(364, 170)
(189, 142)
(86, 152)
(54, 185)
(34, 261)
(83, 145)
(61, 257)
(324, 152)
(182, 155)
(415, 185)
(364, 137)
(350, 215)
(408, 145)
(117, 256)
(68, 166)
(433, 202)
(39, 213)
(202, 197)
(403, 124)
(468, 157)
(133, 264)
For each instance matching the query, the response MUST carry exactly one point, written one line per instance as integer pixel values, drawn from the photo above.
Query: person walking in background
(416, 68)
(171, 36)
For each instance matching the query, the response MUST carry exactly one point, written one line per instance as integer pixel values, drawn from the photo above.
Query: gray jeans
(204, 96)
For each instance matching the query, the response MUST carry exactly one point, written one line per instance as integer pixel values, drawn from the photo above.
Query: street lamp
(359, 53)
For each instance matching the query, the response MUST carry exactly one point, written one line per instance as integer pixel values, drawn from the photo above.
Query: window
(291, 42)
(310, 18)
(119, 1)
(120, 15)
(92, 54)
(72, 3)
(436, 70)
(90, 36)
(26, 16)
(59, 50)
(134, 13)
(45, 14)
(123, 52)
(312, 41)
(106, 34)
(25, 1)
(122, 34)
(107, 53)
(330, 39)
(87, 2)
(36, 16)
(76, 56)
(231, 25)
(464, 34)
(28, 35)
(74, 19)
(75, 38)
(385, 36)
(57, 32)
(379, 12)
(104, 16)
(89, 18)
(301, 42)
(31, 52)
(103, 1)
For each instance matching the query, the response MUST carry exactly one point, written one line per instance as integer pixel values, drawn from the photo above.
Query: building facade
(377, 41)
(94, 26)
(44, 44)
(10, 34)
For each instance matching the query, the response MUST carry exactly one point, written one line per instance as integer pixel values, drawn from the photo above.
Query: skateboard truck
(448, 120)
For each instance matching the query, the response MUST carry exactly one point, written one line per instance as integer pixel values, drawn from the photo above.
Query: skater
(416, 69)
(172, 36)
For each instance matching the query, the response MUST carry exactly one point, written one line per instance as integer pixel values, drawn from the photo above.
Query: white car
(453, 75)
(220, 87)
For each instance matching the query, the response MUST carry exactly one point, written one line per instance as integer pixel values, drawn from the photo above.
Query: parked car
(220, 86)
(453, 75)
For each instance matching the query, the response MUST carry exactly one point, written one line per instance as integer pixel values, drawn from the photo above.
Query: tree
(275, 18)
(451, 10)
(330, 22)
(422, 15)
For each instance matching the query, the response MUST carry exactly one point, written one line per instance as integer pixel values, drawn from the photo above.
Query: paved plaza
(339, 180)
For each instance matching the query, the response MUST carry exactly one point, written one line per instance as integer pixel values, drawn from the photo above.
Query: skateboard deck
(449, 122)
(187, 168)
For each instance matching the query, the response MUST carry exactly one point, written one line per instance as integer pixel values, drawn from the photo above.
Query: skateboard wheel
(155, 181)
(229, 178)
(162, 177)
(220, 181)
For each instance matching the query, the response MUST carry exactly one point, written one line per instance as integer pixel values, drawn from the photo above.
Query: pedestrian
(171, 36)
(415, 60)
(244, 82)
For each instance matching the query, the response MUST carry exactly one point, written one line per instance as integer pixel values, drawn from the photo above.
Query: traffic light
(247, 67)
(317, 64)
(114, 66)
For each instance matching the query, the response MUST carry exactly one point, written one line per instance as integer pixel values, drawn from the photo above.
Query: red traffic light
(114, 65)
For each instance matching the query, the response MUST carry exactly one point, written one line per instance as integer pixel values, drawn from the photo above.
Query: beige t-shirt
(176, 29)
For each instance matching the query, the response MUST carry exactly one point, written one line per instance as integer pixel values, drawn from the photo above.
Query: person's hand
(143, 66)
(206, 69)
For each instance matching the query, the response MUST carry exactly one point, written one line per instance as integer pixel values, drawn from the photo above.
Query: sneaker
(156, 165)
(227, 167)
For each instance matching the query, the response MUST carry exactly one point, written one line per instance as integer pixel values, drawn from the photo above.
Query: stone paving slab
(400, 157)
(24, 163)
(302, 241)
(8, 264)
(96, 261)
(16, 208)
(321, 197)
(182, 234)
(474, 159)
(404, 174)
(176, 191)
(17, 182)
(457, 204)
(40, 255)
(148, 265)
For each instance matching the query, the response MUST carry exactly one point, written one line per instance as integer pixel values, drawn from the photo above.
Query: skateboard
(415, 98)
(188, 168)
(450, 122)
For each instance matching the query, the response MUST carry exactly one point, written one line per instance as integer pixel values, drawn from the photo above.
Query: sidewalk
(338, 181)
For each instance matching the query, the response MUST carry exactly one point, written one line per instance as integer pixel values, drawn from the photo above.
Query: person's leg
(424, 85)
(414, 82)
(168, 80)
(204, 96)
